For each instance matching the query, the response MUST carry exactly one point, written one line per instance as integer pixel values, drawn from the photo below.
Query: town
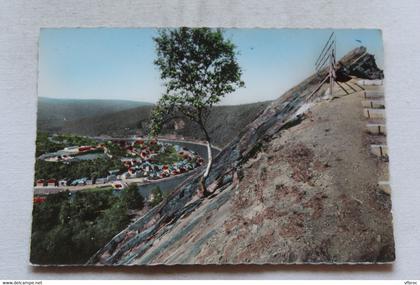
(135, 160)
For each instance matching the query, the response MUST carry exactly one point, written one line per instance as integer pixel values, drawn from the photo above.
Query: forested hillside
(54, 113)
(225, 122)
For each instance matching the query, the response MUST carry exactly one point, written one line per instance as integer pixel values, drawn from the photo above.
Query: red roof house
(40, 182)
(51, 182)
(39, 200)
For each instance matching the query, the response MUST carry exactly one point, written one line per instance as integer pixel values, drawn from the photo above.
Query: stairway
(373, 104)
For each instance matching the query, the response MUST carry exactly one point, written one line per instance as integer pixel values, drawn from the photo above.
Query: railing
(327, 55)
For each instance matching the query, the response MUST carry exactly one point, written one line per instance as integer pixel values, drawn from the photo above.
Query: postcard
(211, 146)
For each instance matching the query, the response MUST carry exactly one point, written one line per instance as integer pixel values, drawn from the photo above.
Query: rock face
(362, 67)
(366, 68)
(281, 193)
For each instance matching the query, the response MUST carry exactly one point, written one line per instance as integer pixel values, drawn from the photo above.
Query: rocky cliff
(292, 187)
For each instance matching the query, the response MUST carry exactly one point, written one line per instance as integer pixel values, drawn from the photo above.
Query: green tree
(156, 195)
(68, 229)
(198, 67)
(115, 150)
(132, 198)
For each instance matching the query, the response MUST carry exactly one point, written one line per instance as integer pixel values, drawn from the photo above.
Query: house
(66, 157)
(164, 174)
(40, 182)
(165, 169)
(39, 200)
(54, 158)
(146, 166)
(144, 154)
(139, 142)
(128, 162)
(72, 149)
(113, 171)
(51, 182)
(86, 148)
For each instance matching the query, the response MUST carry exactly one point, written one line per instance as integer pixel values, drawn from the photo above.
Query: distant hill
(54, 113)
(119, 123)
(225, 122)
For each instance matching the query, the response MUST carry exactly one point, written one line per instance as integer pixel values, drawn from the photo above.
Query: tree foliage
(132, 198)
(115, 150)
(69, 229)
(45, 145)
(156, 195)
(198, 67)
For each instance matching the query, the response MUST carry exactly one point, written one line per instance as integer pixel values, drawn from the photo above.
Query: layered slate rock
(364, 66)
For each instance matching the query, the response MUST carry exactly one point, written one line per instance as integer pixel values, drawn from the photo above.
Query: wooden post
(331, 74)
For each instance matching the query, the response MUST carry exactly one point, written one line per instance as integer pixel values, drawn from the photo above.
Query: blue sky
(112, 63)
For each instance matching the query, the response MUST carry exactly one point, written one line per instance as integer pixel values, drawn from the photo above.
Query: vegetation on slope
(85, 168)
(67, 228)
(45, 145)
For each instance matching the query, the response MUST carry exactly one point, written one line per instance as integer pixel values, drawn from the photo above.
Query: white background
(19, 29)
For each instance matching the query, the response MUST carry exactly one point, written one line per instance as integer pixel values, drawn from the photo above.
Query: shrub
(132, 198)
(156, 196)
